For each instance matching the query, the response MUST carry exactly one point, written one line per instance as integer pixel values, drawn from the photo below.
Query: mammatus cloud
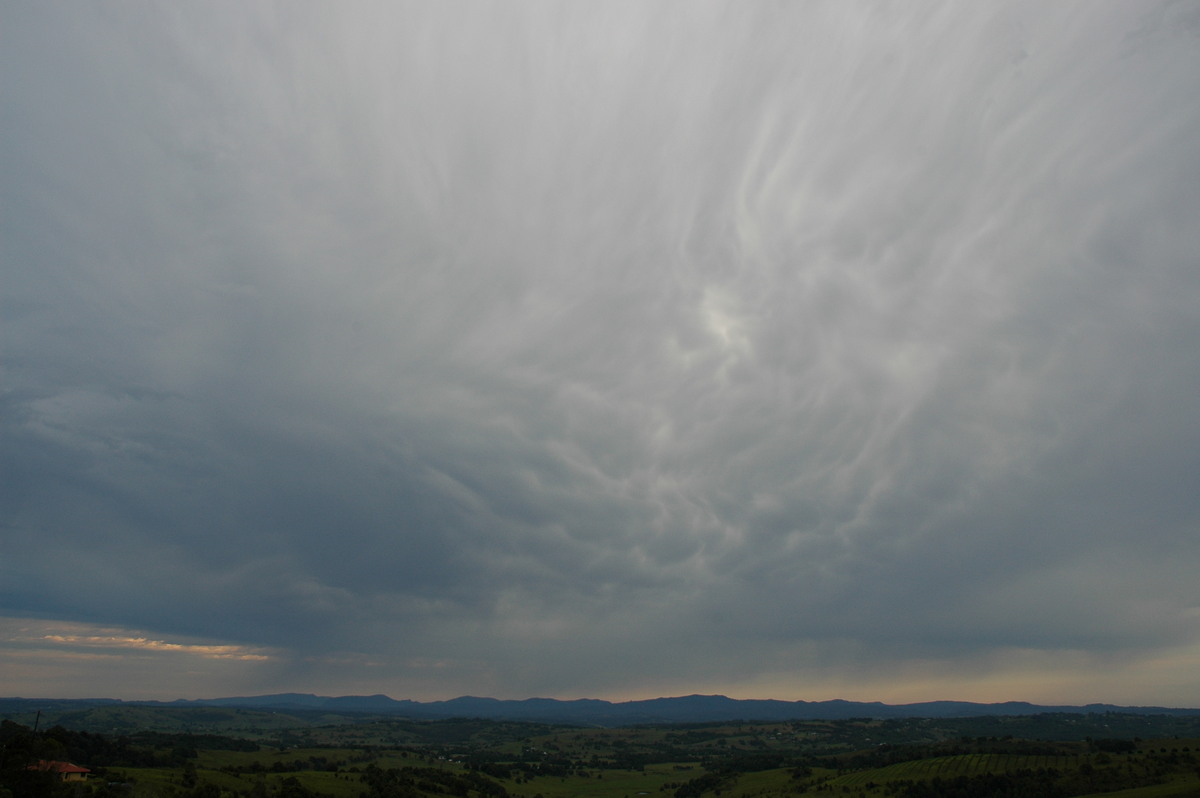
(608, 350)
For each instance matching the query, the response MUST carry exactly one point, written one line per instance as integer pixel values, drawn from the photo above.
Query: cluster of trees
(21, 748)
(291, 787)
(413, 782)
(1026, 784)
(311, 763)
(709, 782)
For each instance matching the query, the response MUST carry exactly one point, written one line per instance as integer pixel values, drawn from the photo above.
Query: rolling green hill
(230, 752)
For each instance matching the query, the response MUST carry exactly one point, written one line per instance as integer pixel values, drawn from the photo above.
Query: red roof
(58, 767)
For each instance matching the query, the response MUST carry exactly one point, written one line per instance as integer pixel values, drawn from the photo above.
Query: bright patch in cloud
(47, 651)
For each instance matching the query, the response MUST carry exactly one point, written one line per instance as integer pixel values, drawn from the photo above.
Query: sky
(614, 350)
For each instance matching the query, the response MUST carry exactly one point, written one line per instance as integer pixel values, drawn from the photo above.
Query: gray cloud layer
(571, 349)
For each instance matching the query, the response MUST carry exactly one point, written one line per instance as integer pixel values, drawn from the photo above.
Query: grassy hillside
(265, 755)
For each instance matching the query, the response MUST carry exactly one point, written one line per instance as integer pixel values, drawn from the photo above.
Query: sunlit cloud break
(73, 638)
(146, 644)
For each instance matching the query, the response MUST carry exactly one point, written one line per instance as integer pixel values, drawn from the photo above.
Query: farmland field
(225, 755)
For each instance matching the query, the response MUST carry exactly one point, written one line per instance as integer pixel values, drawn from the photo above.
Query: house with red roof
(65, 770)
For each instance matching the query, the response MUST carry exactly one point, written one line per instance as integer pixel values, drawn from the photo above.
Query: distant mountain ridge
(681, 709)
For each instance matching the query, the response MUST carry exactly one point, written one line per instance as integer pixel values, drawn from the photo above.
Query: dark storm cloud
(620, 347)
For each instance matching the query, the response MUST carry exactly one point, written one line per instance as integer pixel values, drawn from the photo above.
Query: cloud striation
(613, 349)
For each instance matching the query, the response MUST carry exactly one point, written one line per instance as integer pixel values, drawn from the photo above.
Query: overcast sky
(781, 350)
